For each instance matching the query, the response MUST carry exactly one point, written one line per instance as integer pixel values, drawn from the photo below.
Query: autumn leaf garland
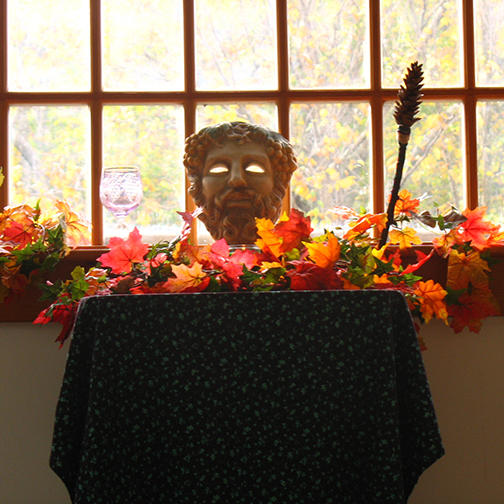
(32, 241)
(287, 257)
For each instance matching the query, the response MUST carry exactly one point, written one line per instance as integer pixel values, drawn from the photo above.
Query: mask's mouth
(237, 199)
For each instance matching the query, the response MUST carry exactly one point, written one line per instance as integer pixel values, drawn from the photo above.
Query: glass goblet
(121, 191)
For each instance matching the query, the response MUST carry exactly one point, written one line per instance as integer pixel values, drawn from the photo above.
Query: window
(87, 84)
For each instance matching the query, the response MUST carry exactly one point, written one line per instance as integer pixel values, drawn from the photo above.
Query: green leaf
(78, 273)
(453, 295)
(214, 285)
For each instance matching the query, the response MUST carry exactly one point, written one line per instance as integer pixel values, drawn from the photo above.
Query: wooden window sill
(26, 307)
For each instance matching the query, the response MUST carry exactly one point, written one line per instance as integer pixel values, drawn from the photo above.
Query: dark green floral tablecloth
(278, 397)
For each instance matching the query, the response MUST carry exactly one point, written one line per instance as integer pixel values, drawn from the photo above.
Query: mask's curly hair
(279, 150)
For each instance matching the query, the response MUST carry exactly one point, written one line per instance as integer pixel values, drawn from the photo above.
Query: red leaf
(472, 308)
(124, 253)
(294, 230)
(475, 229)
(19, 233)
(188, 221)
(246, 257)
(308, 276)
(62, 313)
(231, 274)
(232, 267)
(421, 258)
(219, 250)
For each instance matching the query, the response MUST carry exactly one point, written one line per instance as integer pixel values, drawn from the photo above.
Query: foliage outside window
(86, 84)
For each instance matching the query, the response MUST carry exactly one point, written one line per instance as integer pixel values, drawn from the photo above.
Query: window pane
(427, 31)
(328, 44)
(434, 160)
(236, 44)
(150, 137)
(490, 117)
(332, 145)
(143, 46)
(49, 156)
(264, 114)
(48, 45)
(489, 42)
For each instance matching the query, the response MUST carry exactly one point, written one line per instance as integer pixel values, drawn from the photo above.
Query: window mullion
(96, 105)
(471, 161)
(283, 101)
(377, 100)
(3, 102)
(190, 93)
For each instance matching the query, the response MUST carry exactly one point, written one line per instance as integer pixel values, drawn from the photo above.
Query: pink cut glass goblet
(121, 190)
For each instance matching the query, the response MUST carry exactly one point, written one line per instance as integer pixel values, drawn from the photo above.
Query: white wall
(466, 373)
(31, 370)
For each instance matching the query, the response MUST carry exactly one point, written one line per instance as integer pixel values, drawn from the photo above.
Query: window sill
(26, 307)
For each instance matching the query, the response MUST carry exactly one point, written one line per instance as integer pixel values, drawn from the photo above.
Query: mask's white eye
(254, 168)
(218, 169)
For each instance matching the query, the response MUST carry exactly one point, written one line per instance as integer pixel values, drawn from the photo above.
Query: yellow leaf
(284, 217)
(378, 253)
(265, 265)
(185, 277)
(268, 239)
(463, 269)
(431, 296)
(405, 237)
(77, 231)
(324, 254)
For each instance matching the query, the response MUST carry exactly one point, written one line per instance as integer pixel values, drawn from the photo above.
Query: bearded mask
(238, 172)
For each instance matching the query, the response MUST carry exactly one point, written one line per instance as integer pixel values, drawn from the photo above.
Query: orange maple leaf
(187, 278)
(124, 253)
(347, 285)
(496, 238)
(405, 204)
(94, 278)
(17, 225)
(21, 234)
(446, 242)
(324, 254)
(475, 229)
(466, 268)
(405, 237)
(184, 250)
(268, 240)
(432, 303)
(366, 222)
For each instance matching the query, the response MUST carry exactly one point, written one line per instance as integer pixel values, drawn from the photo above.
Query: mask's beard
(237, 225)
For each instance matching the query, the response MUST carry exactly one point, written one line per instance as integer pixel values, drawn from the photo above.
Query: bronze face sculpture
(238, 171)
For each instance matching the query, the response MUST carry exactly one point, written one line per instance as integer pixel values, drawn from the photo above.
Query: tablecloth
(254, 397)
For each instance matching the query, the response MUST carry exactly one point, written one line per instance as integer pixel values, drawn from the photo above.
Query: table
(254, 397)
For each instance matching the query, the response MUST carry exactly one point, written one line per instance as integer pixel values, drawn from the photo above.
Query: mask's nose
(237, 176)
